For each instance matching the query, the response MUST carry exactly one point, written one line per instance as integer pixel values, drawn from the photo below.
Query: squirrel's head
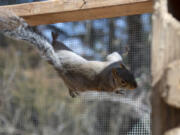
(123, 78)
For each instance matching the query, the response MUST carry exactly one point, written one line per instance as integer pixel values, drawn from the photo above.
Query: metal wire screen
(130, 36)
(35, 101)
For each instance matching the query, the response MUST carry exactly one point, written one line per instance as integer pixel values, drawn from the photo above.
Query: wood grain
(171, 90)
(165, 51)
(54, 11)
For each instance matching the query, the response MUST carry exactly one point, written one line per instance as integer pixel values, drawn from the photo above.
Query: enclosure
(34, 100)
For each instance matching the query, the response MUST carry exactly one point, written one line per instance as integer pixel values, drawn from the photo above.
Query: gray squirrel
(79, 74)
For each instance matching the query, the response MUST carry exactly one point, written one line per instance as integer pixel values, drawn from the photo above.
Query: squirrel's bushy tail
(15, 27)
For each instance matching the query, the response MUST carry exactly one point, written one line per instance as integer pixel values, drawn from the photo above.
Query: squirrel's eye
(123, 82)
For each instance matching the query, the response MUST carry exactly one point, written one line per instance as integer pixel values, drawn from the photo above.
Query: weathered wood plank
(165, 69)
(54, 11)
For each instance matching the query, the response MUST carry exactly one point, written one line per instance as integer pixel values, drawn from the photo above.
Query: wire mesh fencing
(34, 100)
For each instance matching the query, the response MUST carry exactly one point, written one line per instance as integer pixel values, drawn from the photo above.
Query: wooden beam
(54, 11)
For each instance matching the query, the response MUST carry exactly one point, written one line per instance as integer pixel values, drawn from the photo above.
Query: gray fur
(78, 73)
(15, 27)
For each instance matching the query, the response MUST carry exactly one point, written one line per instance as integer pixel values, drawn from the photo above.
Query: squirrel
(78, 73)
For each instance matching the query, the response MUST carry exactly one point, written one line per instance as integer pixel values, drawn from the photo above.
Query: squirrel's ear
(54, 35)
(114, 72)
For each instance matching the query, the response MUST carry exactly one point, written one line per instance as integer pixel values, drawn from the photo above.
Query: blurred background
(35, 101)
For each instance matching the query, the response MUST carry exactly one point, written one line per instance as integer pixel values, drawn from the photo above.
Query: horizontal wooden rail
(48, 12)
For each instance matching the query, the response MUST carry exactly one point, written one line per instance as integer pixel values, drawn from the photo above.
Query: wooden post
(166, 68)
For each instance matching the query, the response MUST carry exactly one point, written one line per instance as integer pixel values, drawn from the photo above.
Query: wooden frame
(165, 45)
(48, 12)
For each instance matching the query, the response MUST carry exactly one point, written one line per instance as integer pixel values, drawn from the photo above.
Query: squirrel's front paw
(73, 94)
(120, 92)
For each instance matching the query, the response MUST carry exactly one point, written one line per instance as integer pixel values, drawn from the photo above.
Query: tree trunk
(165, 68)
(135, 33)
(111, 35)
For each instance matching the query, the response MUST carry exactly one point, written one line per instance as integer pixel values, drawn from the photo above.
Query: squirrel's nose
(133, 86)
